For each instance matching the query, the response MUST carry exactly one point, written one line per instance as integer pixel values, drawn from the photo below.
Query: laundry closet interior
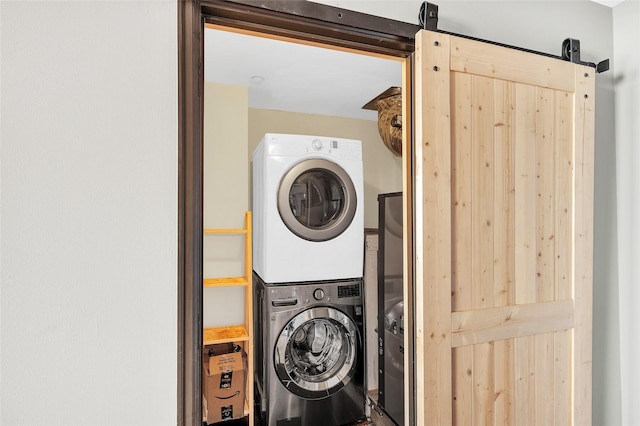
(271, 104)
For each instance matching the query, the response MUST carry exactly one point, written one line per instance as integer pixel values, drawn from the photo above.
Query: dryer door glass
(317, 200)
(315, 354)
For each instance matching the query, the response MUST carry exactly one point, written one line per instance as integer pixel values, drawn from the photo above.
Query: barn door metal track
(428, 18)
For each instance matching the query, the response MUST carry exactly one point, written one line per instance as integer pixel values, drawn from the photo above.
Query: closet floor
(376, 418)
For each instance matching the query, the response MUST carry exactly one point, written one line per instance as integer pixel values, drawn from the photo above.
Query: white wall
(626, 21)
(542, 26)
(89, 212)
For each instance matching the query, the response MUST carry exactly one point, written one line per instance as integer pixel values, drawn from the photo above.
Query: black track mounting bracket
(602, 66)
(571, 50)
(428, 16)
(571, 53)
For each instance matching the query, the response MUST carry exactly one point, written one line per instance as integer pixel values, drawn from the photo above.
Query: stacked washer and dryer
(308, 267)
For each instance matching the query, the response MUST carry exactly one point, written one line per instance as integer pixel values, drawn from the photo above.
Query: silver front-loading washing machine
(309, 352)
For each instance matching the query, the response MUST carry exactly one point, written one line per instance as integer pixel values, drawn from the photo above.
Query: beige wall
(226, 195)
(226, 179)
(231, 133)
(382, 170)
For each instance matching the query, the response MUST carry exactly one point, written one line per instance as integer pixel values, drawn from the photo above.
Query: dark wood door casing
(190, 147)
(298, 20)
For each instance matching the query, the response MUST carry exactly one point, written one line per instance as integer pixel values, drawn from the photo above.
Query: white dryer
(308, 216)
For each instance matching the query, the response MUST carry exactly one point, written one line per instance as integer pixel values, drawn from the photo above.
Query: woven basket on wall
(390, 122)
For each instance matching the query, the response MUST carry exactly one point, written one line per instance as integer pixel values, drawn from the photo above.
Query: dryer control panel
(340, 148)
(297, 145)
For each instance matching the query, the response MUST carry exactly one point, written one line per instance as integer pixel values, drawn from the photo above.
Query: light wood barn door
(503, 222)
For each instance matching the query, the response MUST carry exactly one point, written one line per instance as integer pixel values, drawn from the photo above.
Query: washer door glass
(317, 200)
(315, 353)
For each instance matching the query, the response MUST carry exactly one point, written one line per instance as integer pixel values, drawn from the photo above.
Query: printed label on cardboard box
(225, 380)
(226, 412)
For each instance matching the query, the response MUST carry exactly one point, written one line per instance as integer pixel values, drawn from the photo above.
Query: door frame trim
(300, 20)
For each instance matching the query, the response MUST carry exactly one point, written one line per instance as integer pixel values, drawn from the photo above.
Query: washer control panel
(286, 297)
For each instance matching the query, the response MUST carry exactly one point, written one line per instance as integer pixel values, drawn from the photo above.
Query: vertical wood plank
(545, 248)
(504, 386)
(545, 194)
(461, 190)
(525, 246)
(503, 243)
(544, 379)
(563, 248)
(462, 362)
(504, 189)
(418, 166)
(463, 385)
(525, 192)
(483, 377)
(564, 196)
(482, 223)
(482, 191)
(525, 381)
(583, 243)
(562, 376)
(433, 230)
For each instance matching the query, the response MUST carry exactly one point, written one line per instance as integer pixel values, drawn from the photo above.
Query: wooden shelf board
(225, 334)
(225, 282)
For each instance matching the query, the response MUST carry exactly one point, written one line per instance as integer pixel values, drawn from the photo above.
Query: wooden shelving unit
(241, 334)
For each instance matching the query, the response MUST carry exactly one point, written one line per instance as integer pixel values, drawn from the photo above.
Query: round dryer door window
(317, 200)
(315, 353)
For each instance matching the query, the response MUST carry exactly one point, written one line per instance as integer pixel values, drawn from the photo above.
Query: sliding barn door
(504, 219)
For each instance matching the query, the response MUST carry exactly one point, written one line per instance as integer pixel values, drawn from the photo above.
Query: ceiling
(298, 78)
(610, 3)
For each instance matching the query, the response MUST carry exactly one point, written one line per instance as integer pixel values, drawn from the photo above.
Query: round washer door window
(315, 353)
(317, 200)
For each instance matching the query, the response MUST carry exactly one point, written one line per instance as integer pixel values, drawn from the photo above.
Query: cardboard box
(223, 378)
